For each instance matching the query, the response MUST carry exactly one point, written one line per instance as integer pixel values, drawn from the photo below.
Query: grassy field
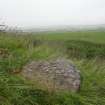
(85, 49)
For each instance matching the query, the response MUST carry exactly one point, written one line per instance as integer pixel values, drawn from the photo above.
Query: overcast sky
(34, 13)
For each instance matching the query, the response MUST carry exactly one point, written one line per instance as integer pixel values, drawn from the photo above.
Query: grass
(85, 49)
(96, 37)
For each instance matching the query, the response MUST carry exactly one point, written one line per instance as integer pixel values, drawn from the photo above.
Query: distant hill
(100, 27)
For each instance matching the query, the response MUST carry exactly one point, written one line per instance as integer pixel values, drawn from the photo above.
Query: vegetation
(85, 49)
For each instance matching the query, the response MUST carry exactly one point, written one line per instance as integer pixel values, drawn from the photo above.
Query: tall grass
(85, 49)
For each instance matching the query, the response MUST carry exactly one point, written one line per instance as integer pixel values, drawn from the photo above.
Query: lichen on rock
(59, 74)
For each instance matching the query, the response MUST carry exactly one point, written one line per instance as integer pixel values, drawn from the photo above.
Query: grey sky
(52, 12)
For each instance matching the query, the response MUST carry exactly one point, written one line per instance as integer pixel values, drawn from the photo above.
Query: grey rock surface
(59, 74)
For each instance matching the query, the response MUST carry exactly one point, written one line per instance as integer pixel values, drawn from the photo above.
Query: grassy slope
(86, 49)
(98, 37)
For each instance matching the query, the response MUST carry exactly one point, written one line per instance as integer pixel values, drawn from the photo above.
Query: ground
(85, 49)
